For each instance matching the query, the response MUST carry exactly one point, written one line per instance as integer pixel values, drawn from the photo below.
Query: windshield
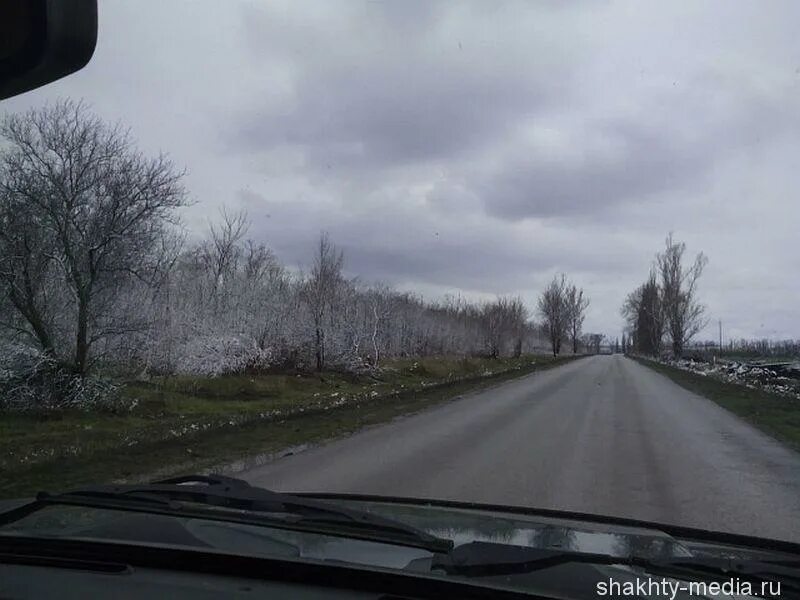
(532, 254)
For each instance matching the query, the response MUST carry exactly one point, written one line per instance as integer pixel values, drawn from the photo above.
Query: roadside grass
(185, 424)
(774, 414)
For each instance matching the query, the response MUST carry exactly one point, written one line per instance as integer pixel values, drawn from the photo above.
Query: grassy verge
(184, 424)
(776, 415)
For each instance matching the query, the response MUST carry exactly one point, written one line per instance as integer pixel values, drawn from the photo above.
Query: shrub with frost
(31, 380)
(212, 356)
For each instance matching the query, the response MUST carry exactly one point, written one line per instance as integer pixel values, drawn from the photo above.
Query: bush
(212, 356)
(28, 378)
(95, 393)
(31, 381)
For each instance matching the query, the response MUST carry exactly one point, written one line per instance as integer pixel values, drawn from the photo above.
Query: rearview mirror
(44, 40)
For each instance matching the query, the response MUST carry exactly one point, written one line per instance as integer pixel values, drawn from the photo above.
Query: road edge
(739, 400)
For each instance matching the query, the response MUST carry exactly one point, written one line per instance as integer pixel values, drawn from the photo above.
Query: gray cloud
(396, 85)
(645, 163)
(351, 118)
(480, 147)
(668, 148)
(398, 243)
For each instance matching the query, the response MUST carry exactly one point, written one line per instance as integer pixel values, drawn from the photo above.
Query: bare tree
(644, 311)
(518, 324)
(630, 309)
(666, 304)
(321, 289)
(222, 251)
(504, 323)
(379, 311)
(82, 214)
(575, 304)
(683, 313)
(650, 318)
(552, 309)
(493, 323)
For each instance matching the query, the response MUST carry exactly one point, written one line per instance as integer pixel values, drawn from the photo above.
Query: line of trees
(664, 312)
(562, 308)
(95, 271)
(593, 342)
(762, 347)
(747, 348)
(228, 305)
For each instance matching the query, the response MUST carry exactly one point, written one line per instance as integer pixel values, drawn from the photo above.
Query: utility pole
(720, 335)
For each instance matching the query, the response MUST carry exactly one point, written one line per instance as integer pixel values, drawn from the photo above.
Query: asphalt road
(602, 435)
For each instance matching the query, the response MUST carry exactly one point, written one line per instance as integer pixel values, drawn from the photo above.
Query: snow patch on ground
(779, 378)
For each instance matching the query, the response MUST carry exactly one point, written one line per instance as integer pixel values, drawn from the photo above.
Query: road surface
(602, 435)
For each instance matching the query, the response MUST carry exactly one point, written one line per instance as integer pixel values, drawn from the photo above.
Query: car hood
(461, 523)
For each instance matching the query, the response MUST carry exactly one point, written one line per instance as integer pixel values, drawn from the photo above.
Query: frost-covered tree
(504, 323)
(85, 218)
(320, 291)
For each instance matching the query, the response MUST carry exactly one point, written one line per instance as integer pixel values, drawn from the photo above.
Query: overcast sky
(480, 148)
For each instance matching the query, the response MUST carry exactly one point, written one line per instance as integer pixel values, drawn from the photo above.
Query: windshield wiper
(219, 498)
(483, 559)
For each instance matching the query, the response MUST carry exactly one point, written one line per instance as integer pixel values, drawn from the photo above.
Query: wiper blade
(482, 559)
(220, 498)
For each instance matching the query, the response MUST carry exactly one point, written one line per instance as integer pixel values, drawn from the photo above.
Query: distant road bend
(601, 435)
